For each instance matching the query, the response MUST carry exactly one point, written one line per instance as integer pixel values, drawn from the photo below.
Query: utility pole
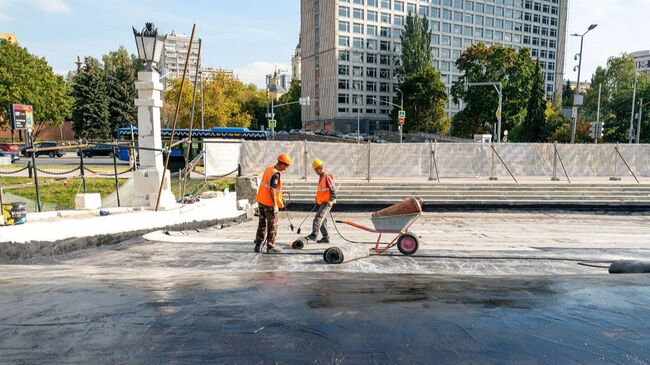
(499, 88)
(576, 100)
(636, 81)
(599, 128)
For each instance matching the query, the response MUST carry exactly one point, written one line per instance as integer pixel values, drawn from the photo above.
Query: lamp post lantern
(576, 100)
(149, 102)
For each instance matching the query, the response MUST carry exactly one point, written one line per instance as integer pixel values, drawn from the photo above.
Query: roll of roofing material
(630, 267)
(342, 254)
(412, 205)
(299, 244)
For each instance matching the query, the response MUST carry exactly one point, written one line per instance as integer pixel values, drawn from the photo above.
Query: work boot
(273, 249)
(324, 240)
(311, 237)
(257, 247)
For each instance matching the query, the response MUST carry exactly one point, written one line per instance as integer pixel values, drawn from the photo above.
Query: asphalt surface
(485, 288)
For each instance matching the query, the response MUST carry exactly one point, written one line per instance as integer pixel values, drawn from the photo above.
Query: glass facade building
(351, 49)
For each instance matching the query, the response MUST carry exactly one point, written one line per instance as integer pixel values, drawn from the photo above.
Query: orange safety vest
(323, 194)
(264, 191)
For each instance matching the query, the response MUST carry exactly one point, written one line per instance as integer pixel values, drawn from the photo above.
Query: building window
(371, 72)
(344, 27)
(344, 11)
(344, 70)
(371, 58)
(357, 14)
(384, 73)
(344, 85)
(357, 71)
(344, 99)
(344, 55)
(357, 28)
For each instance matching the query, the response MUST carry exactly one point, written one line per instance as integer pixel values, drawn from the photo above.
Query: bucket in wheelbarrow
(398, 218)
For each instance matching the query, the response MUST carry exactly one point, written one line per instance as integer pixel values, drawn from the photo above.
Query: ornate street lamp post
(148, 177)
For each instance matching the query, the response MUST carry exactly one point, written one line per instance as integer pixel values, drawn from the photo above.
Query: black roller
(630, 267)
(341, 254)
(299, 244)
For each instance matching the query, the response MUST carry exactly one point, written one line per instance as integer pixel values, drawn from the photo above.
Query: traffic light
(593, 131)
(601, 130)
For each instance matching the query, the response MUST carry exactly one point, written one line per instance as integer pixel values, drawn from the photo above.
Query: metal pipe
(638, 128)
(178, 107)
(636, 80)
(82, 168)
(117, 183)
(38, 190)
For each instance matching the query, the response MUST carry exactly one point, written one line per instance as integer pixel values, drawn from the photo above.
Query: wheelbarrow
(407, 242)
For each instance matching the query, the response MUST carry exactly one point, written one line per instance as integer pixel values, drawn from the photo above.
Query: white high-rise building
(642, 59)
(174, 56)
(349, 49)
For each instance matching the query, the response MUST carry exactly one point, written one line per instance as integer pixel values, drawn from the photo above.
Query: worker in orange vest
(269, 197)
(325, 199)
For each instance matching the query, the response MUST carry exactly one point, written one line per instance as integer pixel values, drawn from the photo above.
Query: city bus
(177, 159)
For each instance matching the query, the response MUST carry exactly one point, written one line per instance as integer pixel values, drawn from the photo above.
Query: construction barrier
(451, 160)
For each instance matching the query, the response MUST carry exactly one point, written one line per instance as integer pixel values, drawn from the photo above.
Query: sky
(252, 37)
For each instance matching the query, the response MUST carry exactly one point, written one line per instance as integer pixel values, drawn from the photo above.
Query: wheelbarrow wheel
(408, 244)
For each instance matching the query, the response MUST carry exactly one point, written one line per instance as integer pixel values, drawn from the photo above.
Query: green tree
(567, 95)
(289, 117)
(120, 81)
(617, 81)
(27, 79)
(424, 101)
(533, 129)
(423, 90)
(90, 113)
(515, 70)
(416, 46)
(255, 103)
(224, 98)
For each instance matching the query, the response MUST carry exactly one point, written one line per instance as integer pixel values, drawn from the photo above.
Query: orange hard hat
(285, 159)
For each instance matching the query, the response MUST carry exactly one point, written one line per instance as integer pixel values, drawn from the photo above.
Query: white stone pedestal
(147, 179)
(87, 202)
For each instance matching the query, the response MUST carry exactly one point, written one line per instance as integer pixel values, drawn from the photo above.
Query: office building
(174, 56)
(642, 60)
(349, 48)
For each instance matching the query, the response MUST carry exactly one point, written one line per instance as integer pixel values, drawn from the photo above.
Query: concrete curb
(21, 251)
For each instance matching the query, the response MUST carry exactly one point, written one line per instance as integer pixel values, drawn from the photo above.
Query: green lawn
(56, 191)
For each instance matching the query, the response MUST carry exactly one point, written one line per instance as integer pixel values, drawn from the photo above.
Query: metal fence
(451, 160)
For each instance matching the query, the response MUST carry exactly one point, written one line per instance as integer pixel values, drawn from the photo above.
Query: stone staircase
(482, 194)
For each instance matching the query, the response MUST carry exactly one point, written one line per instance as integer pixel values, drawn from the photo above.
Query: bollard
(82, 169)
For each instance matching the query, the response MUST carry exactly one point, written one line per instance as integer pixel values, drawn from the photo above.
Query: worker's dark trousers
(320, 221)
(267, 226)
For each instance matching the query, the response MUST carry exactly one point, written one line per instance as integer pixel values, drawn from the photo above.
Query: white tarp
(221, 156)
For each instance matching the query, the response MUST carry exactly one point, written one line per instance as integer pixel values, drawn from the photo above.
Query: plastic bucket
(409, 206)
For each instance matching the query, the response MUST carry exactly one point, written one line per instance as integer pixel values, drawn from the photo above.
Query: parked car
(98, 150)
(10, 150)
(321, 132)
(306, 132)
(375, 139)
(353, 136)
(336, 134)
(294, 131)
(282, 132)
(58, 153)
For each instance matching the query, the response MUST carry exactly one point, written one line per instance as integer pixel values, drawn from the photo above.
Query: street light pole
(356, 100)
(577, 91)
(499, 88)
(638, 133)
(636, 81)
(401, 109)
